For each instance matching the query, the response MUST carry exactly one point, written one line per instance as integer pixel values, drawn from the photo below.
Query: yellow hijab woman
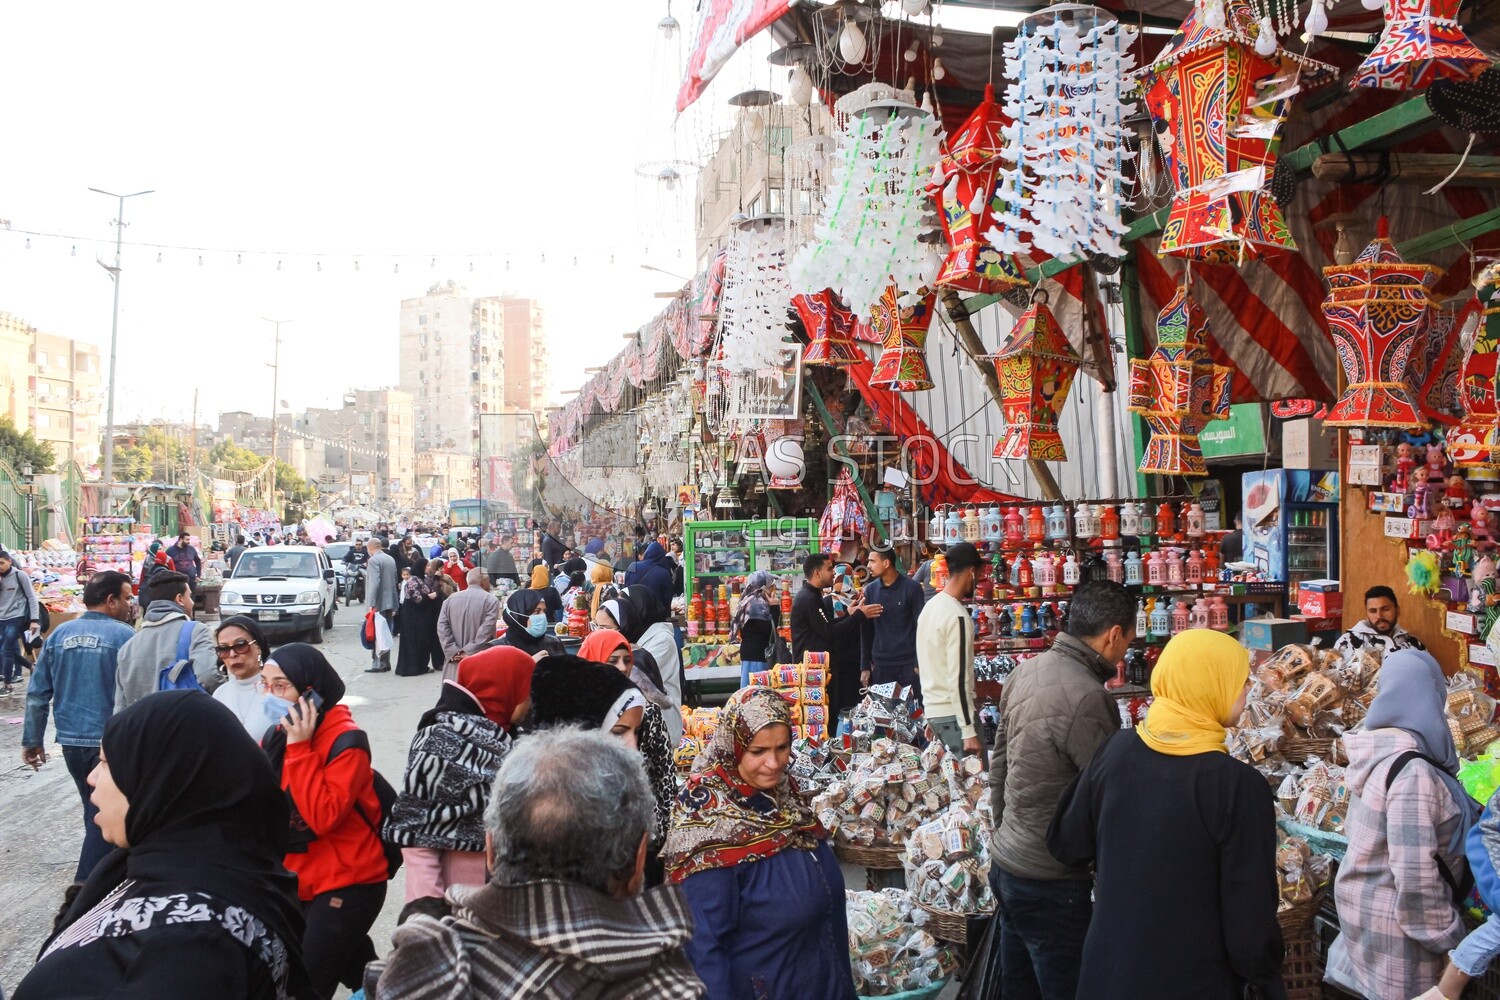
(1195, 684)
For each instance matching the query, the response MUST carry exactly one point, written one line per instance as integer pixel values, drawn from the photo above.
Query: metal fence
(12, 509)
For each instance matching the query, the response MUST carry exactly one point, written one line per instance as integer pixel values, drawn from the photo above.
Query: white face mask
(536, 625)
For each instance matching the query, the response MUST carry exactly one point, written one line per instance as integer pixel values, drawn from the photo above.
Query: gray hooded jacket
(154, 647)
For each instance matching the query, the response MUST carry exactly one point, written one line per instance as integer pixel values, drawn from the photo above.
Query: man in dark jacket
(186, 558)
(651, 572)
(1054, 713)
(817, 629)
(553, 549)
(499, 563)
(888, 644)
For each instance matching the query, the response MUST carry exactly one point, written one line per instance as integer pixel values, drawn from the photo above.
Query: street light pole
(114, 330)
(275, 367)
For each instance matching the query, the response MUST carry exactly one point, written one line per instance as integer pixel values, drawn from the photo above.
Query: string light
(158, 258)
(74, 252)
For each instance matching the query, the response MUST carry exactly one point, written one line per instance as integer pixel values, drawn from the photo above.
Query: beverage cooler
(1291, 524)
(719, 551)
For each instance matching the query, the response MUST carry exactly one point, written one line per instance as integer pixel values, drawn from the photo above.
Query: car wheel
(315, 634)
(328, 619)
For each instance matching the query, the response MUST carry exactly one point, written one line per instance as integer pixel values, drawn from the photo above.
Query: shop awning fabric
(725, 26)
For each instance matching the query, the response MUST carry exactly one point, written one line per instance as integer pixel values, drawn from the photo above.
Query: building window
(422, 321)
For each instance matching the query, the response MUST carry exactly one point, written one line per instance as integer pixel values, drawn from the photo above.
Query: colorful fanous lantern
(1179, 388)
(1476, 440)
(1217, 108)
(830, 330)
(1422, 42)
(1378, 310)
(1035, 369)
(902, 364)
(965, 192)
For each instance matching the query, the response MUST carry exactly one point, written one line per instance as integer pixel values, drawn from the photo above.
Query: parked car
(289, 589)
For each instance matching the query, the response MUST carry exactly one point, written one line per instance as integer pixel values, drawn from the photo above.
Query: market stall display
(891, 952)
(805, 685)
(108, 544)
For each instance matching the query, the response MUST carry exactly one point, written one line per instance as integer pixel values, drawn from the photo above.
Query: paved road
(41, 820)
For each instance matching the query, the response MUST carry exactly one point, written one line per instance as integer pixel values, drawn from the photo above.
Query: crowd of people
(239, 842)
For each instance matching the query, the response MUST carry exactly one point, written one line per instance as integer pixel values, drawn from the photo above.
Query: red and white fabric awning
(724, 26)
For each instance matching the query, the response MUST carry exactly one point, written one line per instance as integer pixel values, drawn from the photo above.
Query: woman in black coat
(420, 603)
(1183, 842)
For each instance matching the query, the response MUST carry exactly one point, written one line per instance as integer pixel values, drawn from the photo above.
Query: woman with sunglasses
(242, 648)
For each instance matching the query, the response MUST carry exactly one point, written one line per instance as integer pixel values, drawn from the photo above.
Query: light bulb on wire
(852, 44)
(1317, 19)
(801, 86)
(1265, 38)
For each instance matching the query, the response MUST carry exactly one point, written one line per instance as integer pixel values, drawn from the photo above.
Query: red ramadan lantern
(830, 329)
(1210, 99)
(966, 199)
(1035, 369)
(1378, 309)
(1178, 389)
(902, 364)
(1422, 42)
(1476, 439)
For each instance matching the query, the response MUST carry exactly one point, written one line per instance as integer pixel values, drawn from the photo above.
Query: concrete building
(15, 369)
(526, 381)
(52, 386)
(365, 446)
(246, 429)
(445, 476)
(453, 366)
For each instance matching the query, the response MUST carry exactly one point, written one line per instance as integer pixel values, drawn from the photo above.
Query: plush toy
(1479, 519)
(1456, 494)
(1484, 569)
(1463, 551)
(1435, 463)
(1423, 575)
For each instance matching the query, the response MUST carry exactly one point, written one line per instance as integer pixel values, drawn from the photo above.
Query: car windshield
(269, 562)
(337, 550)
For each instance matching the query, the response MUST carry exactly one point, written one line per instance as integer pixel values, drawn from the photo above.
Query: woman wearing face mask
(420, 649)
(755, 624)
(610, 648)
(438, 818)
(242, 648)
(1168, 790)
(195, 904)
(637, 615)
(568, 690)
(323, 760)
(766, 891)
(526, 624)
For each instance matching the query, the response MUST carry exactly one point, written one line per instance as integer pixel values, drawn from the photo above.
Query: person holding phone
(323, 760)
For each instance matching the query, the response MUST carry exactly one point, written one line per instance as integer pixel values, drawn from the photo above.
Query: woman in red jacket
(323, 759)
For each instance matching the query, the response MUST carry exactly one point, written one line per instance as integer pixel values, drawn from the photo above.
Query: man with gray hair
(381, 583)
(563, 916)
(466, 621)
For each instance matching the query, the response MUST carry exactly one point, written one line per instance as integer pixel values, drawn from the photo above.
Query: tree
(231, 457)
(18, 448)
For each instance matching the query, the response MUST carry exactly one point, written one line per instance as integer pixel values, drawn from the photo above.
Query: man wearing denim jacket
(76, 674)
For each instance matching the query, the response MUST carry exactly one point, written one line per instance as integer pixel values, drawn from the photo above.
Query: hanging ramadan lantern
(902, 322)
(1378, 310)
(1422, 42)
(830, 330)
(1068, 69)
(965, 191)
(757, 298)
(1476, 440)
(1178, 389)
(1035, 368)
(1217, 96)
(869, 235)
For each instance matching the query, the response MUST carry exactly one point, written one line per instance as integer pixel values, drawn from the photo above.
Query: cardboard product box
(1320, 603)
(1388, 503)
(1308, 444)
(1272, 633)
(1314, 625)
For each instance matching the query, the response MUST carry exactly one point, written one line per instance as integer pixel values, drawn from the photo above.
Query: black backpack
(356, 739)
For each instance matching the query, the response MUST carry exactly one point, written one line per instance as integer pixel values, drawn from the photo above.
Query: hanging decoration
(902, 322)
(1379, 309)
(830, 329)
(1421, 43)
(869, 234)
(965, 192)
(1178, 389)
(1476, 440)
(1061, 194)
(757, 297)
(1218, 95)
(1035, 368)
(844, 517)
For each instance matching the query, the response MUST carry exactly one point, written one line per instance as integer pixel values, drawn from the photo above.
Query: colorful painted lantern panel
(1422, 42)
(967, 204)
(1378, 309)
(1475, 443)
(1035, 368)
(1178, 389)
(830, 330)
(902, 364)
(1212, 102)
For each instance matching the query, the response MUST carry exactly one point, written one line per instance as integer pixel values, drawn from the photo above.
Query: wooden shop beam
(1408, 168)
(1388, 128)
(1459, 232)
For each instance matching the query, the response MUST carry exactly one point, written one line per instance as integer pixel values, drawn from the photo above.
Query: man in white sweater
(945, 655)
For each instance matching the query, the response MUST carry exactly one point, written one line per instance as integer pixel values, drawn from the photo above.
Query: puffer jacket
(1396, 913)
(1054, 713)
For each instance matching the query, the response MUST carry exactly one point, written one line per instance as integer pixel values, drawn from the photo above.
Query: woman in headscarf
(1183, 842)
(527, 626)
(454, 567)
(1408, 817)
(438, 818)
(754, 624)
(637, 615)
(766, 891)
(196, 903)
(610, 648)
(242, 648)
(439, 580)
(569, 690)
(323, 761)
(420, 649)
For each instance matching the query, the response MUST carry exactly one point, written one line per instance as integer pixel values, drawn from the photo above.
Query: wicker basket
(1299, 749)
(1302, 968)
(880, 857)
(948, 926)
